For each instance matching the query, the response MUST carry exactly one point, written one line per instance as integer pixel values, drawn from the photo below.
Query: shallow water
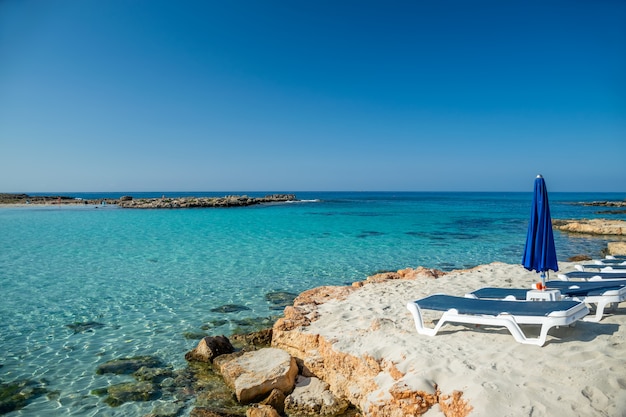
(149, 276)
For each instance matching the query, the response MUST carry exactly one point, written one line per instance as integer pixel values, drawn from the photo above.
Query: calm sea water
(150, 276)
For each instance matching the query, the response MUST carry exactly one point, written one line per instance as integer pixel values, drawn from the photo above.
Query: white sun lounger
(592, 276)
(600, 294)
(509, 314)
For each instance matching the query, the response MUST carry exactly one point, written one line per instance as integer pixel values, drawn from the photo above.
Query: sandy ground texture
(580, 371)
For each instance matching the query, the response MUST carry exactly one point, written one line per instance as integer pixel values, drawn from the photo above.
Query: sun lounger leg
(419, 321)
(599, 313)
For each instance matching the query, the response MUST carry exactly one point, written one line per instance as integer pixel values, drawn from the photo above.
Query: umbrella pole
(543, 281)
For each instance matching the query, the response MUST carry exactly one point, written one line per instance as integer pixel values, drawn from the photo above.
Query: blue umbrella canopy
(540, 253)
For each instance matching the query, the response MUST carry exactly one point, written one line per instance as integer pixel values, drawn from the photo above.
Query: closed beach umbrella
(540, 253)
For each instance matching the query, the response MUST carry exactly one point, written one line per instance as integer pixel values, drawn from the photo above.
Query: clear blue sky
(151, 95)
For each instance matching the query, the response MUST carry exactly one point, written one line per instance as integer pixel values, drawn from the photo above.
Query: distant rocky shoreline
(617, 207)
(602, 203)
(148, 203)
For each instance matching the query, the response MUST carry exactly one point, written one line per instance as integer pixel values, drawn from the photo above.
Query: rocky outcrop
(592, 226)
(407, 273)
(604, 203)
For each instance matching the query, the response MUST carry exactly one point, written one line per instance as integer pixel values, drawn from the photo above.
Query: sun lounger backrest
(493, 307)
(585, 288)
(587, 275)
(500, 293)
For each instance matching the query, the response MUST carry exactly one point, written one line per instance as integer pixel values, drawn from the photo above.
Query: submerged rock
(253, 324)
(16, 395)
(83, 326)
(128, 365)
(229, 308)
(213, 324)
(155, 375)
(167, 409)
(211, 412)
(194, 335)
(131, 391)
(281, 298)
(262, 338)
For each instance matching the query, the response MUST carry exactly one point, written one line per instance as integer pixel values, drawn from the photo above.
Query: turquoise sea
(148, 277)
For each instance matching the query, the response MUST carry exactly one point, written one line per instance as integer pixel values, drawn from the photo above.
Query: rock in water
(209, 348)
(128, 365)
(229, 308)
(255, 374)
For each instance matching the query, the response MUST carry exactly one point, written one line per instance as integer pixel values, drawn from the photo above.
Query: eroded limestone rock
(617, 248)
(312, 397)
(255, 374)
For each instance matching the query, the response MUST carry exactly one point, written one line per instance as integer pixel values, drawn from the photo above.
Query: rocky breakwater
(613, 207)
(200, 202)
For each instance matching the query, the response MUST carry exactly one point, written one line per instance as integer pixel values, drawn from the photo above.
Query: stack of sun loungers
(512, 307)
(598, 270)
(615, 265)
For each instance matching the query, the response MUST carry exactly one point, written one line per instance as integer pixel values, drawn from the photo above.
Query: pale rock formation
(592, 226)
(408, 273)
(312, 397)
(617, 248)
(255, 374)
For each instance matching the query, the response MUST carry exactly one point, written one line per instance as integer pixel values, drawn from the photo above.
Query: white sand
(580, 371)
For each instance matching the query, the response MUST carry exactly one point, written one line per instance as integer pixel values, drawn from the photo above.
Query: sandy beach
(580, 371)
